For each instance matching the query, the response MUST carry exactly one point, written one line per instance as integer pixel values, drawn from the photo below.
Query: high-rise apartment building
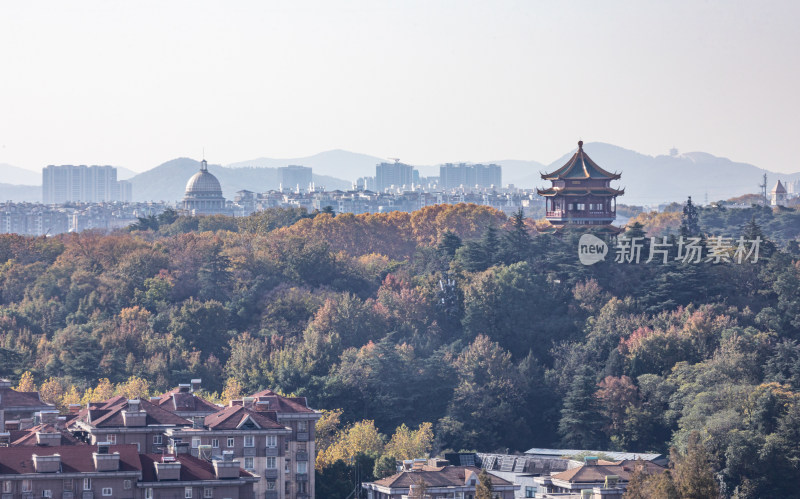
(81, 184)
(454, 176)
(395, 174)
(295, 177)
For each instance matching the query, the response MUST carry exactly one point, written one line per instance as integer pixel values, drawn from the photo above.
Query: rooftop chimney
(168, 468)
(590, 461)
(196, 384)
(74, 408)
(134, 415)
(4, 383)
(47, 464)
(48, 417)
(184, 387)
(248, 402)
(236, 402)
(48, 439)
(105, 461)
(198, 422)
(226, 469)
(155, 400)
(262, 405)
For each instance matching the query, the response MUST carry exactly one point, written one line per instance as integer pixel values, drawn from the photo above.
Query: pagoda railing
(580, 214)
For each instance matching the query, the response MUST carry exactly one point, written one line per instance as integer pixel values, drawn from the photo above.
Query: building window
(272, 441)
(27, 485)
(286, 445)
(208, 492)
(187, 493)
(112, 439)
(287, 486)
(248, 463)
(215, 443)
(195, 443)
(87, 484)
(230, 441)
(302, 467)
(302, 487)
(126, 485)
(148, 493)
(47, 493)
(286, 468)
(157, 440)
(107, 491)
(272, 463)
(302, 426)
(249, 441)
(530, 491)
(68, 485)
(301, 446)
(8, 487)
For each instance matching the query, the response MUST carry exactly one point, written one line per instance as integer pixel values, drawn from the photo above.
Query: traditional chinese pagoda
(581, 195)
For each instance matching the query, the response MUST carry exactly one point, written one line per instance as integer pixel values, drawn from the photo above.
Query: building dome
(204, 193)
(203, 183)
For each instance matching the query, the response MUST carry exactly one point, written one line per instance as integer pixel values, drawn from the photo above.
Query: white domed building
(204, 194)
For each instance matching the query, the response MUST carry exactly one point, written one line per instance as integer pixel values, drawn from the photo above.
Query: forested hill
(452, 315)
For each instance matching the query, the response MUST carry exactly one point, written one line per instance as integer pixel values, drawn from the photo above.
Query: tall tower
(581, 194)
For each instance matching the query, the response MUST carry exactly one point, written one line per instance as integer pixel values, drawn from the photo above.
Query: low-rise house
(438, 482)
(253, 438)
(594, 474)
(184, 476)
(122, 421)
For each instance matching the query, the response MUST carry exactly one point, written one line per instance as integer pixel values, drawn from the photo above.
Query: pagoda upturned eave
(580, 166)
(573, 192)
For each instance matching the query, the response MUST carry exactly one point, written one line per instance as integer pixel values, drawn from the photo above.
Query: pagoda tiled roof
(580, 165)
(580, 191)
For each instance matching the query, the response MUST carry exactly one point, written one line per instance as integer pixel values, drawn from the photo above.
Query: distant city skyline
(135, 84)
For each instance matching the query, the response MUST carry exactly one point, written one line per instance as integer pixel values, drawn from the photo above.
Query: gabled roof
(281, 404)
(178, 400)
(28, 437)
(597, 473)
(580, 166)
(12, 398)
(74, 458)
(443, 476)
(192, 468)
(233, 417)
(108, 414)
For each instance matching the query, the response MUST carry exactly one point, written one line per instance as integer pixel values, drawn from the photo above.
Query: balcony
(301, 456)
(271, 451)
(67, 495)
(249, 451)
(271, 494)
(271, 473)
(301, 477)
(87, 495)
(302, 436)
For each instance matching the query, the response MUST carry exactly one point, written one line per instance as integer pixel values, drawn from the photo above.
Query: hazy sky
(136, 83)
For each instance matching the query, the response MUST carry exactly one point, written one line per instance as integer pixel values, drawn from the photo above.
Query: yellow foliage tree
(71, 396)
(103, 391)
(411, 444)
(26, 383)
(326, 428)
(134, 388)
(233, 390)
(361, 438)
(51, 391)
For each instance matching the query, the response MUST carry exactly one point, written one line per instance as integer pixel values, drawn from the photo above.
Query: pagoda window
(570, 207)
(581, 207)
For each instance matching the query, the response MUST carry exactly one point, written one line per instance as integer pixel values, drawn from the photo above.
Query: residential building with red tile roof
(439, 481)
(254, 439)
(299, 448)
(89, 471)
(16, 406)
(595, 473)
(122, 421)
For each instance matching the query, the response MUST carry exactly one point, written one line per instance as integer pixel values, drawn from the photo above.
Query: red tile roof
(74, 458)
(108, 414)
(28, 437)
(178, 400)
(445, 476)
(12, 398)
(192, 468)
(281, 404)
(231, 417)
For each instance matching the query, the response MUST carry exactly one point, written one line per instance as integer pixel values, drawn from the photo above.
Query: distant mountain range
(648, 180)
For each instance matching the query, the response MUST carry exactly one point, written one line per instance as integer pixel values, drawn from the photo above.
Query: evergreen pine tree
(690, 221)
(517, 241)
(580, 421)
